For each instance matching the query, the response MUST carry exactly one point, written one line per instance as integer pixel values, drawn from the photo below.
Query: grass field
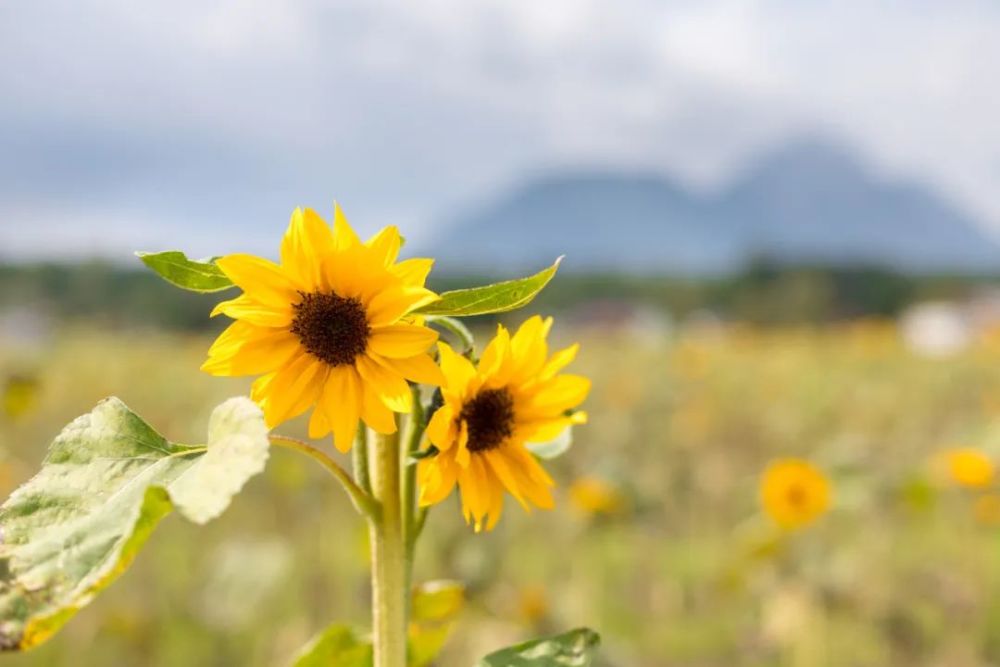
(657, 540)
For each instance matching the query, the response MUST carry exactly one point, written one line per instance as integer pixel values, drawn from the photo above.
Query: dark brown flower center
(332, 328)
(796, 496)
(490, 419)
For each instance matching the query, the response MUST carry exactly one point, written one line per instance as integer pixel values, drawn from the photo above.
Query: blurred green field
(661, 548)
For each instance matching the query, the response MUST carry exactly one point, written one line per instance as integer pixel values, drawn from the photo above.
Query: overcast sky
(200, 125)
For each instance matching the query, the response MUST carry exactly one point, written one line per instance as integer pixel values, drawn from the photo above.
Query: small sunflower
(794, 492)
(969, 467)
(329, 327)
(516, 395)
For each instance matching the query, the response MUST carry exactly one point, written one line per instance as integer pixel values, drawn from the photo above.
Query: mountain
(807, 201)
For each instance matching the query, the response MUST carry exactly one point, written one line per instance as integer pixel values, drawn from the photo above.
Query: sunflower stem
(362, 501)
(455, 327)
(421, 519)
(359, 458)
(389, 590)
(414, 434)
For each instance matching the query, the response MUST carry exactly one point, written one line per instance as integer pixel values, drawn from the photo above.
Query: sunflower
(515, 396)
(329, 327)
(794, 492)
(969, 467)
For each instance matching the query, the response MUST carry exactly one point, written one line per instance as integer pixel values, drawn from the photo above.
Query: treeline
(764, 293)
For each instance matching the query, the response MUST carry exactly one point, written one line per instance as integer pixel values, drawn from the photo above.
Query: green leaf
(436, 605)
(197, 275)
(107, 481)
(237, 450)
(438, 601)
(553, 448)
(338, 645)
(496, 298)
(571, 649)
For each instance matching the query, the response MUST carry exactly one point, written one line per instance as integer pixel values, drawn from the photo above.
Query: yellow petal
(529, 349)
(559, 361)
(307, 239)
(554, 396)
(414, 271)
(319, 426)
(532, 480)
(441, 429)
(472, 482)
(501, 467)
(385, 245)
(400, 341)
(341, 403)
(420, 368)
(343, 234)
(294, 389)
(262, 280)
(389, 305)
(236, 335)
(543, 430)
(253, 355)
(375, 413)
(387, 384)
(249, 310)
(261, 387)
(462, 454)
(346, 273)
(458, 371)
(495, 502)
(494, 358)
(436, 478)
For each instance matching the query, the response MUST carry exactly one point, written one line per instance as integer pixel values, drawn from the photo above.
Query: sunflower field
(676, 532)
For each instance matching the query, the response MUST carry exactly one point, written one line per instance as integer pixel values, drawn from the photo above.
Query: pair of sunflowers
(332, 327)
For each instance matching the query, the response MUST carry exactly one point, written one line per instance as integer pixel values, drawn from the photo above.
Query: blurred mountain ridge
(809, 200)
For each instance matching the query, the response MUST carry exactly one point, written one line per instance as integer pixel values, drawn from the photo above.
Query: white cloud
(228, 114)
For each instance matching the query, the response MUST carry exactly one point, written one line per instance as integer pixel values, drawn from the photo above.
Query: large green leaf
(338, 645)
(571, 649)
(237, 450)
(495, 298)
(197, 275)
(107, 481)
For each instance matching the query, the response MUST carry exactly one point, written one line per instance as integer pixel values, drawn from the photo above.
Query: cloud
(185, 118)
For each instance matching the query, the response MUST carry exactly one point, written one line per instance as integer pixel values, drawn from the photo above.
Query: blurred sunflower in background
(593, 496)
(329, 327)
(968, 467)
(794, 492)
(516, 395)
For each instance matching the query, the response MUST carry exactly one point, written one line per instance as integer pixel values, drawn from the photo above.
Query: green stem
(359, 457)
(362, 501)
(419, 523)
(413, 437)
(389, 592)
(456, 328)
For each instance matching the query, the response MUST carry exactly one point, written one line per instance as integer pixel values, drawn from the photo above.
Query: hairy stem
(362, 501)
(359, 457)
(389, 590)
(414, 434)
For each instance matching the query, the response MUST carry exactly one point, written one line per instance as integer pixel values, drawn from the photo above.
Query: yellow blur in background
(659, 538)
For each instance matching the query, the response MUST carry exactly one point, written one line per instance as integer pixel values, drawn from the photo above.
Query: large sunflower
(515, 396)
(329, 326)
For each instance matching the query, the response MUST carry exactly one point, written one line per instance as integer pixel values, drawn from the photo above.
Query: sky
(200, 125)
